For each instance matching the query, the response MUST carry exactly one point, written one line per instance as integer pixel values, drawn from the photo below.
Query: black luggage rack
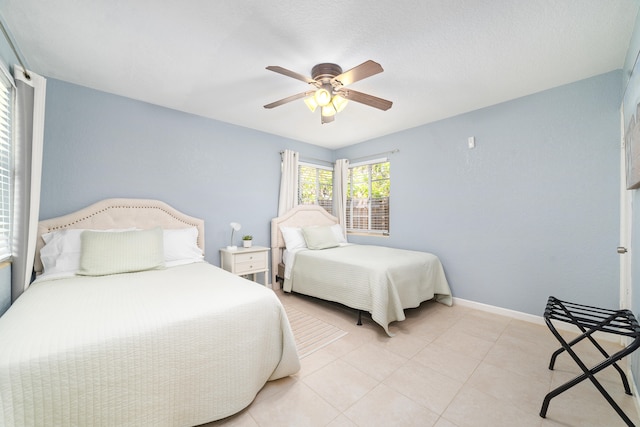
(590, 320)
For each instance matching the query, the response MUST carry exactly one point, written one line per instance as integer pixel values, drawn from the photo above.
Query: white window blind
(315, 185)
(6, 162)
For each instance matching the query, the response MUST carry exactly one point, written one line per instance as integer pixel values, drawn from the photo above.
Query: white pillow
(125, 252)
(293, 238)
(337, 230)
(181, 246)
(61, 253)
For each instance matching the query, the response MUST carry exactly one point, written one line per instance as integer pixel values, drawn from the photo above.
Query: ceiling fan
(329, 91)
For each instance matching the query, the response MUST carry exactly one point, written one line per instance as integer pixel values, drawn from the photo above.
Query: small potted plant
(246, 240)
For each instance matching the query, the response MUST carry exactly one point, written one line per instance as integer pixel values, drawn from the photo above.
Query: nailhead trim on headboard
(96, 210)
(79, 220)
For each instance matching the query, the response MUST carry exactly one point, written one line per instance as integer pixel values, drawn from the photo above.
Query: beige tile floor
(446, 367)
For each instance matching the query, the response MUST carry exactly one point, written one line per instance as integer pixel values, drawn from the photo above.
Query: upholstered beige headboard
(119, 213)
(300, 216)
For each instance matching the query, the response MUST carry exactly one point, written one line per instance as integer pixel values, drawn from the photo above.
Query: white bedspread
(377, 279)
(176, 347)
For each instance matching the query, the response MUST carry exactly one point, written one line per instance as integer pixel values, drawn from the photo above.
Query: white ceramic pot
(246, 243)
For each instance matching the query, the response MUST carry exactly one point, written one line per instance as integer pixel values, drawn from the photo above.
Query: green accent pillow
(320, 237)
(105, 253)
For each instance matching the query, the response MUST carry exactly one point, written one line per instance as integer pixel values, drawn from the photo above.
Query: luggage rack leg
(587, 334)
(589, 320)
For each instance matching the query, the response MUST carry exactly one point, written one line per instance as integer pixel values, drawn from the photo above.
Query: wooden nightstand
(243, 261)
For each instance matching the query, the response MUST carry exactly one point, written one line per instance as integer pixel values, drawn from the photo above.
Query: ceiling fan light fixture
(328, 110)
(339, 103)
(322, 96)
(311, 103)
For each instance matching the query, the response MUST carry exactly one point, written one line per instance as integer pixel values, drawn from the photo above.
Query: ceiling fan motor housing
(325, 72)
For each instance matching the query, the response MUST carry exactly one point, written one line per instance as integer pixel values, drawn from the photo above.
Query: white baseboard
(530, 318)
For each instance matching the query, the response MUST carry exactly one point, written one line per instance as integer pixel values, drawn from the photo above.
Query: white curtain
(340, 175)
(288, 182)
(29, 137)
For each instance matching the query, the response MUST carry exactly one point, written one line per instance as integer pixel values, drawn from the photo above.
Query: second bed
(380, 280)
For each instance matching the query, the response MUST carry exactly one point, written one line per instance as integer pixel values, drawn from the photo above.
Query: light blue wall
(99, 145)
(532, 211)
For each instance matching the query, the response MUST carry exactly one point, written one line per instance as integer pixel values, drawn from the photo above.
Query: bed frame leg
(359, 318)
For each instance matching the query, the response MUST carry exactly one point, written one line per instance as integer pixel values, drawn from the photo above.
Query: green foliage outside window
(358, 187)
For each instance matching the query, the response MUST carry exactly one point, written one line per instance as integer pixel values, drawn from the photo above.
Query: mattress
(180, 346)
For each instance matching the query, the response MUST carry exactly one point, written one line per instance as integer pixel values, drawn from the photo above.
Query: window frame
(370, 219)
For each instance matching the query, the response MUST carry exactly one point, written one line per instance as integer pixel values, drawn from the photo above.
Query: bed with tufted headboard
(126, 324)
(119, 214)
(319, 262)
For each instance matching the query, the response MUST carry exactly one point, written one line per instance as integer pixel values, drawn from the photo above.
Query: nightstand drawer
(256, 264)
(252, 256)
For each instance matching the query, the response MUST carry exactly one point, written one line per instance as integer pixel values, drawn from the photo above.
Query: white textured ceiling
(441, 57)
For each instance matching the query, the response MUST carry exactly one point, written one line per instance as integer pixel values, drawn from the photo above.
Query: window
(6, 165)
(315, 185)
(368, 190)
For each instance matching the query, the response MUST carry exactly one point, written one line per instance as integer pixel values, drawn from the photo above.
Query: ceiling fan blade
(362, 71)
(363, 98)
(293, 74)
(289, 99)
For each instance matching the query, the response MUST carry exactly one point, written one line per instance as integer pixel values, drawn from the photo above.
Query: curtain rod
(302, 158)
(15, 51)
(310, 159)
(375, 155)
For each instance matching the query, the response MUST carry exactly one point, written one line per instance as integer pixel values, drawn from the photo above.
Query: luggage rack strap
(620, 322)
